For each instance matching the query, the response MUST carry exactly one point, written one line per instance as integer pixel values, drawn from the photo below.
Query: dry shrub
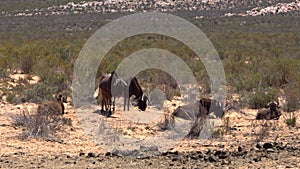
(166, 122)
(196, 129)
(263, 131)
(38, 125)
(218, 133)
(292, 98)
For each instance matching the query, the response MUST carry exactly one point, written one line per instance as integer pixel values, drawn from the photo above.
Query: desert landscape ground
(245, 143)
(257, 42)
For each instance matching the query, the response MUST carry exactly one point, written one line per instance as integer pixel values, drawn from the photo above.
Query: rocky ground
(240, 143)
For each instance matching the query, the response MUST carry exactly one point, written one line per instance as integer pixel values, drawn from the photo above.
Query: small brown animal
(52, 108)
(270, 112)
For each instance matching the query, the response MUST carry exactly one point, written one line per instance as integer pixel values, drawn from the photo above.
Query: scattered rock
(81, 154)
(208, 151)
(142, 153)
(267, 145)
(212, 159)
(256, 159)
(108, 154)
(241, 148)
(93, 155)
(147, 149)
(68, 162)
(175, 159)
(258, 146)
(269, 150)
(221, 154)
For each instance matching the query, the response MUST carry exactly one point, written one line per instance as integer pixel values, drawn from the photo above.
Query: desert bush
(291, 121)
(261, 97)
(59, 81)
(11, 98)
(38, 92)
(26, 64)
(25, 92)
(218, 133)
(171, 92)
(19, 120)
(292, 94)
(263, 132)
(67, 121)
(166, 122)
(3, 73)
(38, 126)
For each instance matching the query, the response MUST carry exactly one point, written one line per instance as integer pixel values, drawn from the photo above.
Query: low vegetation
(37, 125)
(258, 62)
(291, 121)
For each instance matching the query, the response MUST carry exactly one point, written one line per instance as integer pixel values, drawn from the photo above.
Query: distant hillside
(201, 7)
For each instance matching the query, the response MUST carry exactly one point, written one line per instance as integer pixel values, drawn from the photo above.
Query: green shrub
(260, 98)
(26, 64)
(38, 93)
(25, 92)
(11, 98)
(291, 121)
(292, 94)
(218, 133)
(3, 73)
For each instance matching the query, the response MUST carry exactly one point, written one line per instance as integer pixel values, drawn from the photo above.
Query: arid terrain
(257, 42)
(243, 143)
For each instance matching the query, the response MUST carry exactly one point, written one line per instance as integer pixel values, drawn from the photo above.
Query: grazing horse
(105, 86)
(135, 89)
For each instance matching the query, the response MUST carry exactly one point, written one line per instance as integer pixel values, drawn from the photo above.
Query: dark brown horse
(135, 89)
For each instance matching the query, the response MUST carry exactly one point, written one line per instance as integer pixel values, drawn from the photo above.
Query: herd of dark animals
(111, 87)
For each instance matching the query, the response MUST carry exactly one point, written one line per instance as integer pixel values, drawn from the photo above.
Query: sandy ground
(82, 145)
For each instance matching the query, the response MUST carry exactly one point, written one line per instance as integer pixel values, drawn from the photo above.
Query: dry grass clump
(38, 125)
(166, 122)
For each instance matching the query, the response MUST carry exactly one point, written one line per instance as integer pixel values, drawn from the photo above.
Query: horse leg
(110, 105)
(102, 103)
(124, 106)
(128, 101)
(114, 104)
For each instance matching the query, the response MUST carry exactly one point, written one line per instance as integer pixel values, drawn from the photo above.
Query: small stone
(175, 159)
(208, 152)
(108, 154)
(267, 145)
(212, 159)
(269, 150)
(240, 148)
(165, 153)
(173, 152)
(256, 159)
(91, 155)
(81, 154)
(258, 146)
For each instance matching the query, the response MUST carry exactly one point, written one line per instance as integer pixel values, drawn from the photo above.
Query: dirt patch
(240, 142)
